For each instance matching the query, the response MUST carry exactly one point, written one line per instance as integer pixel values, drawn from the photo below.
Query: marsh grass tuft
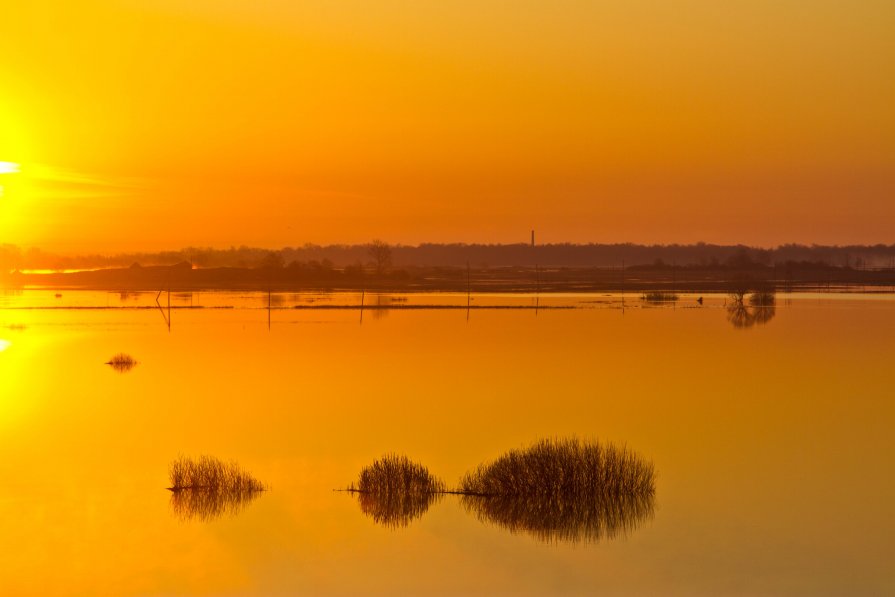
(563, 490)
(394, 490)
(122, 362)
(205, 488)
(563, 467)
(660, 297)
(209, 473)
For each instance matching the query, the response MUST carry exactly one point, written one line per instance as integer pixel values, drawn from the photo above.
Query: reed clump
(395, 490)
(210, 474)
(660, 297)
(563, 490)
(394, 473)
(563, 467)
(122, 362)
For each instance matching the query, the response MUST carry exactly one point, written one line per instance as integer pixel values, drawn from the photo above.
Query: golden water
(773, 443)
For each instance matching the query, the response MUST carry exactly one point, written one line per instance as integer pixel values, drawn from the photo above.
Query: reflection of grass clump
(570, 519)
(394, 490)
(122, 362)
(660, 297)
(563, 468)
(208, 504)
(209, 473)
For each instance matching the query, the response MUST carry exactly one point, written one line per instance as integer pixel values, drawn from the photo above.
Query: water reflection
(568, 519)
(762, 304)
(743, 317)
(208, 504)
(396, 509)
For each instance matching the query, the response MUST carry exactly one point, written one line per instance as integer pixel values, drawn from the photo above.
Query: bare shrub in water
(122, 362)
(563, 467)
(394, 490)
(660, 297)
(395, 473)
(205, 488)
(209, 473)
(563, 490)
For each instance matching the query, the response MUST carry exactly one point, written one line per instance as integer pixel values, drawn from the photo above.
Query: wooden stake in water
(623, 286)
(468, 291)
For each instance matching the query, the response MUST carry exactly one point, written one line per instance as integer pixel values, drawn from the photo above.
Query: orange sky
(160, 123)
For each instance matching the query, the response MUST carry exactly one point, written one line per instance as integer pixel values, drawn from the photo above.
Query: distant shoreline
(709, 279)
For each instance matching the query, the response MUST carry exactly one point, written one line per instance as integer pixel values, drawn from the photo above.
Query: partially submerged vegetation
(761, 307)
(394, 490)
(394, 473)
(560, 489)
(122, 362)
(563, 467)
(209, 473)
(656, 296)
(563, 490)
(206, 488)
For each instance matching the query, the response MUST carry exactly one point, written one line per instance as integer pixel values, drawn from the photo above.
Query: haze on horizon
(161, 124)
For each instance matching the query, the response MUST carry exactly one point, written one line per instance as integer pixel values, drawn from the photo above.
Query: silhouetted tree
(273, 260)
(381, 254)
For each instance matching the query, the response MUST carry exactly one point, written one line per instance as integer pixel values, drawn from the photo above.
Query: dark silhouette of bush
(394, 490)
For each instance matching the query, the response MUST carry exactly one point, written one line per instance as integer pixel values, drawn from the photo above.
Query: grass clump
(210, 474)
(660, 297)
(122, 362)
(563, 490)
(395, 473)
(394, 490)
(563, 467)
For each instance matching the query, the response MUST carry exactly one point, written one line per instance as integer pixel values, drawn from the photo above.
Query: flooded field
(768, 427)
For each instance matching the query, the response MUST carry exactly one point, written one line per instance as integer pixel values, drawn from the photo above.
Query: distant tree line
(380, 257)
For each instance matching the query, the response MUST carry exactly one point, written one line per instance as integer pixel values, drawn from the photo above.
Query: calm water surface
(772, 434)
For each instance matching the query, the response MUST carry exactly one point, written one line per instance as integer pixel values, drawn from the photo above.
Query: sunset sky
(155, 124)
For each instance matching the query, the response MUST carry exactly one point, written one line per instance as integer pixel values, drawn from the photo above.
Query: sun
(9, 168)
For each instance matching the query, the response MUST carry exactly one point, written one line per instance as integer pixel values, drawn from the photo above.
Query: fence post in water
(623, 286)
(468, 291)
